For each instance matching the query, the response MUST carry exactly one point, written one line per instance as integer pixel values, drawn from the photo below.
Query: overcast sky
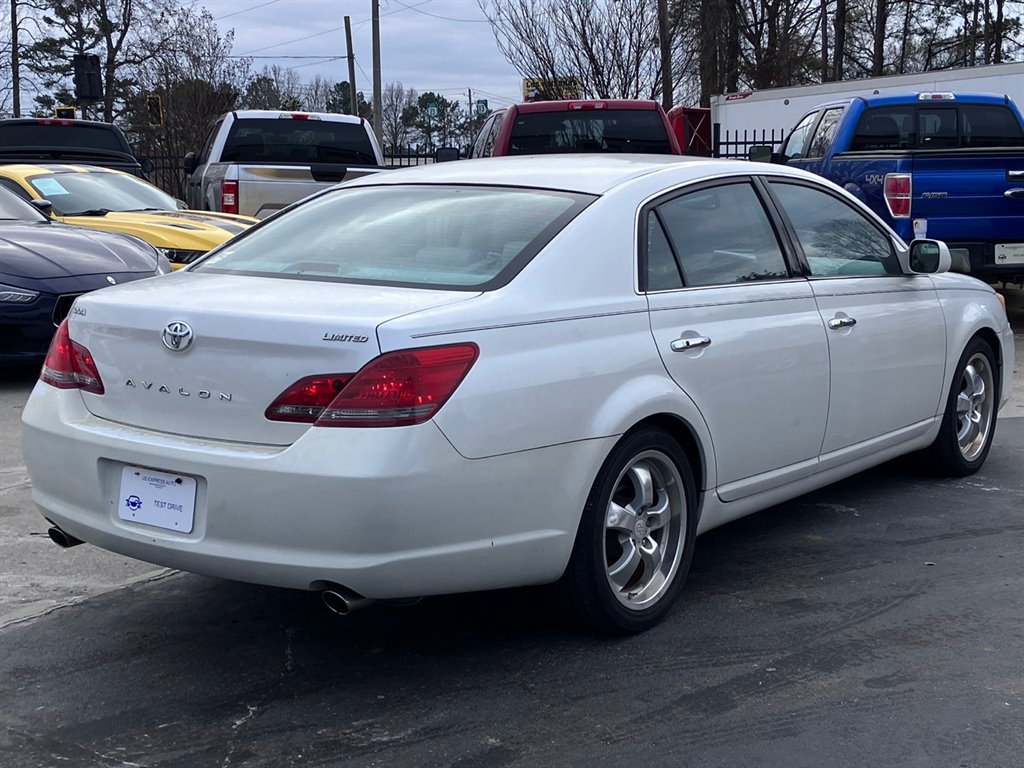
(420, 49)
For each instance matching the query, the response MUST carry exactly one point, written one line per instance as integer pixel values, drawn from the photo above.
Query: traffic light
(155, 108)
(87, 77)
(65, 113)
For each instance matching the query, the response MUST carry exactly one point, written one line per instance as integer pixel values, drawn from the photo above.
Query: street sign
(481, 107)
(433, 110)
(551, 89)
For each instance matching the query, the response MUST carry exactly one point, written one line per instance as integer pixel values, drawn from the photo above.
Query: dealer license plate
(1009, 254)
(157, 498)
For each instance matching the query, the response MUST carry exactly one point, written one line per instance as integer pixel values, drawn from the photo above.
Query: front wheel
(635, 541)
(969, 421)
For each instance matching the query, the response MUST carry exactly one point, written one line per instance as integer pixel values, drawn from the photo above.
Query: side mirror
(146, 164)
(446, 154)
(760, 154)
(43, 205)
(190, 163)
(926, 257)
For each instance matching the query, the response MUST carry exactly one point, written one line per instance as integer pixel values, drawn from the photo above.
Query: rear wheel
(969, 421)
(635, 541)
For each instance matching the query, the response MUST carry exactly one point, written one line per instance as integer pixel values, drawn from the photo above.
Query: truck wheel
(969, 421)
(635, 541)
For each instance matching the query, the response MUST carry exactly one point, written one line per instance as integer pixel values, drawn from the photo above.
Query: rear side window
(826, 131)
(885, 128)
(989, 125)
(285, 141)
(591, 130)
(462, 238)
(723, 235)
(74, 136)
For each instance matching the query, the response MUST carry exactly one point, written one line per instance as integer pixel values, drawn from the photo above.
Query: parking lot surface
(874, 622)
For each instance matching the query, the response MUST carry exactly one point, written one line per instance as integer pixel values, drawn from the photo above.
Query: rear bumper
(388, 513)
(983, 263)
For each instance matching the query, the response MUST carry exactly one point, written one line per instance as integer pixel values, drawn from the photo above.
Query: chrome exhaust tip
(62, 538)
(344, 601)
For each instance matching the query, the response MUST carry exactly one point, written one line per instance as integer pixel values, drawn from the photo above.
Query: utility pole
(352, 103)
(666, 55)
(15, 63)
(376, 72)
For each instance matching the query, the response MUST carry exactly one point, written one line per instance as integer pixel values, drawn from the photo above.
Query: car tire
(969, 419)
(635, 541)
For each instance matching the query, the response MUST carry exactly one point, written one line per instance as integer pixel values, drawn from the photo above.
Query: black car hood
(46, 251)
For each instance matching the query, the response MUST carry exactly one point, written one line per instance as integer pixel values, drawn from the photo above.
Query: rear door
(737, 331)
(886, 331)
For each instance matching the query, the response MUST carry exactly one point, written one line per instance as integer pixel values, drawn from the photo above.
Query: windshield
(285, 141)
(75, 193)
(618, 130)
(419, 236)
(13, 208)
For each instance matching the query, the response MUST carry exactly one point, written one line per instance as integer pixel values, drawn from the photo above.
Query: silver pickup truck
(256, 162)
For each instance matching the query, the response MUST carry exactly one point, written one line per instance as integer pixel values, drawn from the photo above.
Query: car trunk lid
(207, 360)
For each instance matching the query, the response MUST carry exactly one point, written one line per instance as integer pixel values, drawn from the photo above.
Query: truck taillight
(396, 389)
(69, 365)
(897, 188)
(229, 196)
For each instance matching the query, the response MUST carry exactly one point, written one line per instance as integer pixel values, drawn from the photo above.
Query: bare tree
(396, 105)
(609, 46)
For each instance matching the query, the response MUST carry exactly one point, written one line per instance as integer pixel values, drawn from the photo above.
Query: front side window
(492, 135)
(796, 145)
(13, 208)
(75, 193)
(481, 138)
(723, 235)
(462, 238)
(836, 239)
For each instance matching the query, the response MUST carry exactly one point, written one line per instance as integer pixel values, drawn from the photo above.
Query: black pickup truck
(55, 140)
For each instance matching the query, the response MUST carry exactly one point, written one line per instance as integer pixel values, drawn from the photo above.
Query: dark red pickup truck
(559, 127)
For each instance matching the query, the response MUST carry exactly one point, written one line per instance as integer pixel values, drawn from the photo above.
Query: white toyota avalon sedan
(510, 372)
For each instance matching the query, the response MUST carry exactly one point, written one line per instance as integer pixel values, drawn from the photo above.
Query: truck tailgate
(967, 192)
(266, 189)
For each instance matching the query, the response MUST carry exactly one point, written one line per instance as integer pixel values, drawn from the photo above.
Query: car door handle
(841, 322)
(1014, 194)
(696, 342)
(1015, 175)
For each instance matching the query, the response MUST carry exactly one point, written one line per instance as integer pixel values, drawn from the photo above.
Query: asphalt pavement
(877, 622)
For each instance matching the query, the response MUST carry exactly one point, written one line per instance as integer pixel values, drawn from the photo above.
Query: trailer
(742, 120)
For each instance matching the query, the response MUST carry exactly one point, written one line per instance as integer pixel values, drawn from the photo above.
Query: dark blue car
(44, 266)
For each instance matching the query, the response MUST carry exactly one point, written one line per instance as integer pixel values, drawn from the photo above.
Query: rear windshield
(937, 125)
(620, 130)
(462, 238)
(74, 136)
(285, 141)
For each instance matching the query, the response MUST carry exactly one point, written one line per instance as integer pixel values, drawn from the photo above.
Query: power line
(244, 10)
(438, 16)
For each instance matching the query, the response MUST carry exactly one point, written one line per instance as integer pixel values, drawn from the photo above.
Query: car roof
(567, 105)
(594, 174)
(264, 114)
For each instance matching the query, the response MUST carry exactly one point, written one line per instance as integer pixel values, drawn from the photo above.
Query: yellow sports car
(114, 201)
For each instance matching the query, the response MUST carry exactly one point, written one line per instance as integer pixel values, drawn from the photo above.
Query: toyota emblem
(177, 336)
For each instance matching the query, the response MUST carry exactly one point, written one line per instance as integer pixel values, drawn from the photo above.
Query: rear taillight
(229, 196)
(396, 389)
(897, 189)
(69, 365)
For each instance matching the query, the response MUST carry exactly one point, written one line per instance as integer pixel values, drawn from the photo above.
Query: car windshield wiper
(90, 212)
(143, 210)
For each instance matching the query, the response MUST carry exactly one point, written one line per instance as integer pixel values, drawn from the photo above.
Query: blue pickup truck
(939, 165)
